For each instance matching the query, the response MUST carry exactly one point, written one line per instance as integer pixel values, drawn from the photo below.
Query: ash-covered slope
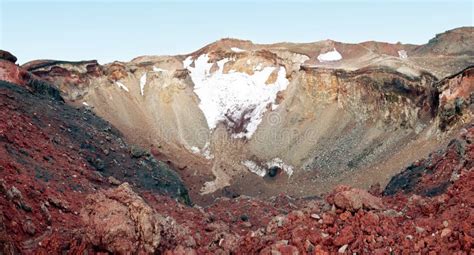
(241, 118)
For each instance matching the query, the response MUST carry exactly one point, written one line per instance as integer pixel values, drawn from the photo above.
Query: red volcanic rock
(328, 219)
(319, 250)
(120, 221)
(370, 219)
(354, 199)
(344, 216)
(46, 172)
(345, 237)
(5, 55)
(12, 73)
(433, 175)
(280, 247)
(180, 250)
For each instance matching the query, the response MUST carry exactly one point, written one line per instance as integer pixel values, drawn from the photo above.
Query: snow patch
(258, 67)
(157, 69)
(195, 150)
(205, 151)
(402, 54)
(187, 62)
(262, 171)
(85, 104)
(254, 168)
(333, 55)
(142, 84)
(120, 85)
(234, 97)
(277, 162)
(238, 50)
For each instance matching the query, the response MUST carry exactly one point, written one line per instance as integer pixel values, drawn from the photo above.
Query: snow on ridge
(121, 85)
(142, 84)
(333, 55)
(238, 50)
(402, 54)
(234, 94)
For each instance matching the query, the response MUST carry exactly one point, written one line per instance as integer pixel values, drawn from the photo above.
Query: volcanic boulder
(120, 221)
(353, 199)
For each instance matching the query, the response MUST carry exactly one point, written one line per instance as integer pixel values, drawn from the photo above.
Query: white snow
(205, 151)
(238, 50)
(120, 85)
(195, 150)
(402, 54)
(333, 55)
(142, 83)
(234, 95)
(279, 163)
(258, 67)
(207, 154)
(261, 171)
(84, 103)
(157, 69)
(254, 168)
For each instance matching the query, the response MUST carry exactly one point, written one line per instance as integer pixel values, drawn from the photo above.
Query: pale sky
(110, 30)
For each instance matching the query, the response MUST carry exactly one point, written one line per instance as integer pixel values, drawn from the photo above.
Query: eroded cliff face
(257, 119)
(340, 118)
(456, 98)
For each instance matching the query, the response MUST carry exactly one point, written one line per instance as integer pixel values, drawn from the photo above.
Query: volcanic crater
(242, 148)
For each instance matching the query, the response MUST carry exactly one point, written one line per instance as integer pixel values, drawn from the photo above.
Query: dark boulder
(5, 55)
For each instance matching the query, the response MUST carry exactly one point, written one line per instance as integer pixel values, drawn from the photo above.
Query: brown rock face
(7, 56)
(116, 72)
(120, 221)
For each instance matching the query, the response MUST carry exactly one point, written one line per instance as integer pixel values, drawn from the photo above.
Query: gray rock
(29, 227)
(112, 180)
(419, 229)
(46, 214)
(14, 193)
(137, 152)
